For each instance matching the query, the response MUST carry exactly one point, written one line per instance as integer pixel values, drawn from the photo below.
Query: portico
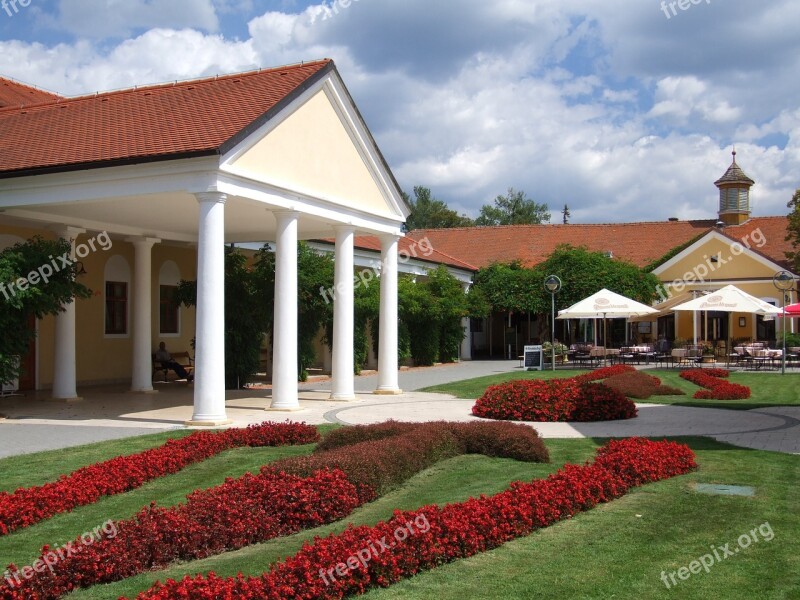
(275, 156)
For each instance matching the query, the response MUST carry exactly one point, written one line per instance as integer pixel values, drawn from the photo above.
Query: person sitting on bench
(165, 358)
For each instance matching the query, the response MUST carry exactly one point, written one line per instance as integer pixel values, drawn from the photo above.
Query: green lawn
(768, 389)
(617, 550)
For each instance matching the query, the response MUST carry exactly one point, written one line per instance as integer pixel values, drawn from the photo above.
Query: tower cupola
(734, 195)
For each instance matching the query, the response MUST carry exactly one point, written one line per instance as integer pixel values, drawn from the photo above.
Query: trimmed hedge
(641, 386)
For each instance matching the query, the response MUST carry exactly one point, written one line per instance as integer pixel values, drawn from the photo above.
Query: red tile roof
(16, 94)
(639, 243)
(177, 120)
(412, 248)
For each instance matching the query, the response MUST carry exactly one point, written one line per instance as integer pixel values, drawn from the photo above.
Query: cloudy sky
(623, 109)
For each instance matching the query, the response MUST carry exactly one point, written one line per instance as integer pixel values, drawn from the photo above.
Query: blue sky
(623, 109)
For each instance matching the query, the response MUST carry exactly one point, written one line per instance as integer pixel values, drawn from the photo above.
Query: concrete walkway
(35, 424)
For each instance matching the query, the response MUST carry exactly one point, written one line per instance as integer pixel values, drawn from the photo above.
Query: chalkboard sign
(533, 358)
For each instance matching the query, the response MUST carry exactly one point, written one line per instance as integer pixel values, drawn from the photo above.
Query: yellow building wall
(100, 358)
(745, 271)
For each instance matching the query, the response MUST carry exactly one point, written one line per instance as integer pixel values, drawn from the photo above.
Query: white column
(64, 356)
(209, 381)
(142, 376)
(284, 364)
(466, 343)
(343, 378)
(387, 351)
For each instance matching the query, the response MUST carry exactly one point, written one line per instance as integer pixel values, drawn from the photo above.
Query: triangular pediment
(319, 147)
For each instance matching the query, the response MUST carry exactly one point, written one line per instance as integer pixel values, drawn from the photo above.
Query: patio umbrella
(792, 310)
(730, 299)
(606, 304)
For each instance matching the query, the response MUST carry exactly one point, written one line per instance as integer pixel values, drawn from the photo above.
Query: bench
(184, 359)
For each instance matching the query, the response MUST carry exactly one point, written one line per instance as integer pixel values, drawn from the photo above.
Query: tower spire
(734, 194)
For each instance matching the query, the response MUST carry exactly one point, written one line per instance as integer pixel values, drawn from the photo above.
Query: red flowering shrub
(240, 512)
(27, 506)
(716, 388)
(598, 402)
(529, 400)
(640, 385)
(572, 399)
(604, 373)
(439, 535)
(377, 466)
(506, 440)
(353, 434)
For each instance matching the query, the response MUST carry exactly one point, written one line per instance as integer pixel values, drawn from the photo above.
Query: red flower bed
(529, 400)
(716, 387)
(252, 509)
(598, 402)
(352, 562)
(572, 399)
(27, 506)
(287, 496)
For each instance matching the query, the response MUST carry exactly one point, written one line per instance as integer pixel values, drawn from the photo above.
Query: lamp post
(784, 281)
(553, 285)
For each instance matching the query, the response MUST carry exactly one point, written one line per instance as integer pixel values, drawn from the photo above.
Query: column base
(212, 423)
(343, 397)
(65, 400)
(395, 392)
(284, 410)
(146, 392)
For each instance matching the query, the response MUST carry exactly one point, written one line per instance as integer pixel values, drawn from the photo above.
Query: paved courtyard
(36, 424)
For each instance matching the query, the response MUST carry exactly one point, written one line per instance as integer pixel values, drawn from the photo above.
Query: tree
(513, 209)
(793, 230)
(244, 326)
(429, 213)
(38, 296)
(566, 215)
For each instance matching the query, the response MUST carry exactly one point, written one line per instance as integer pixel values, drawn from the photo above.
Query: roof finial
(734, 154)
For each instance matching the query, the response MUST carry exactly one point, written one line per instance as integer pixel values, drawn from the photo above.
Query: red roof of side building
(411, 248)
(16, 94)
(638, 243)
(177, 120)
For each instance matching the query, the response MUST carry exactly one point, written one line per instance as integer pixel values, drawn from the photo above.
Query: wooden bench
(184, 359)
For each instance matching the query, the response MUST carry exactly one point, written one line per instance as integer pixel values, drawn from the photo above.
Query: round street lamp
(553, 285)
(784, 281)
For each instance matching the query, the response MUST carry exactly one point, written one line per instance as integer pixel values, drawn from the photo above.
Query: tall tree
(513, 209)
(793, 230)
(566, 214)
(429, 213)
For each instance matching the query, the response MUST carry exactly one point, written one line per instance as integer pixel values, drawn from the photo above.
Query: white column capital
(143, 241)
(387, 239)
(217, 197)
(285, 214)
(69, 232)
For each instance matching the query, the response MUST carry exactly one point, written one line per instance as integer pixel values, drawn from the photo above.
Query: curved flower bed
(716, 386)
(570, 399)
(286, 497)
(326, 569)
(28, 506)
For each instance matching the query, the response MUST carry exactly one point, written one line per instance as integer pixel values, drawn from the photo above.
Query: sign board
(533, 358)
